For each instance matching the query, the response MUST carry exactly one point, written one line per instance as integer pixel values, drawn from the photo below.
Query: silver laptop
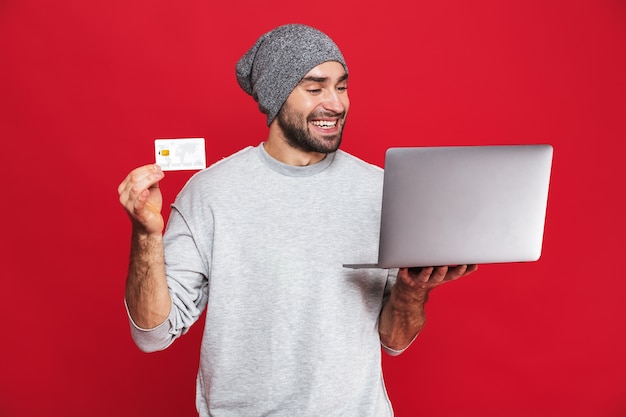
(463, 205)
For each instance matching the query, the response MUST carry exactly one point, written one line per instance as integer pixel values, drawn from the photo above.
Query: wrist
(141, 234)
(146, 244)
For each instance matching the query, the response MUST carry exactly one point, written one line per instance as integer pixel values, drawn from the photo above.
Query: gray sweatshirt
(288, 330)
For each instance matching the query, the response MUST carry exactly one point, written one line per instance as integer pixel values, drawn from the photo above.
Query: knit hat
(276, 63)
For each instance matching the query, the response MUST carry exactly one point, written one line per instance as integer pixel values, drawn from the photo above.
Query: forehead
(326, 71)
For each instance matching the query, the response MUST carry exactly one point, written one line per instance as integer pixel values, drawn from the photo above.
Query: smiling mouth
(324, 124)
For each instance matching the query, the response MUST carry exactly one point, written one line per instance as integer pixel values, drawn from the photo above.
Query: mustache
(327, 114)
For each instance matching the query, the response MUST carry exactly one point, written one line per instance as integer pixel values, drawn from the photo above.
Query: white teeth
(325, 123)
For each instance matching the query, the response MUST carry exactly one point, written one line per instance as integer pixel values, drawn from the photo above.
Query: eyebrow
(322, 79)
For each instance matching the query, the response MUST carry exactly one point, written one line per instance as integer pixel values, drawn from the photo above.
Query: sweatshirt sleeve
(151, 340)
(186, 272)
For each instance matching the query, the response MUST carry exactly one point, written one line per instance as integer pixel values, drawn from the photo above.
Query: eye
(314, 91)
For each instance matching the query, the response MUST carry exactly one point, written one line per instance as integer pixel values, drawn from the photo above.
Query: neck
(278, 148)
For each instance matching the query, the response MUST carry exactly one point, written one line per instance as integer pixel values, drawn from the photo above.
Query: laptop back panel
(464, 205)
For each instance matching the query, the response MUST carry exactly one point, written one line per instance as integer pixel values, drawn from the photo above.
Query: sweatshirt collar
(292, 170)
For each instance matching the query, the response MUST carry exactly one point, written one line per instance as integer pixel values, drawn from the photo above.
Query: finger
(140, 200)
(439, 274)
(412, 276)
(146, 173)
(460, 271)
(424, 274)
(135, 191)
(471, 268)
(456, 272)
(139, 180)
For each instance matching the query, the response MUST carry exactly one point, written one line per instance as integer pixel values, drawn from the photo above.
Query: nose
(336, 101)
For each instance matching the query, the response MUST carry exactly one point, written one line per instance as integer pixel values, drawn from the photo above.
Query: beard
(297, 134)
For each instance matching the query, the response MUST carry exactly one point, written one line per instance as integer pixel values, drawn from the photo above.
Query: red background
(85, 88)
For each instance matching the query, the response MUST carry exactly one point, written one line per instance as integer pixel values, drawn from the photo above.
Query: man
(259, 240)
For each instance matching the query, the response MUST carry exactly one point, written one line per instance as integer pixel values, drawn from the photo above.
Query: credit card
(179, 154)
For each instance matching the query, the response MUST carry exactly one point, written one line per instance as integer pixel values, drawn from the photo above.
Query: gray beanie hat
(276, 63)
